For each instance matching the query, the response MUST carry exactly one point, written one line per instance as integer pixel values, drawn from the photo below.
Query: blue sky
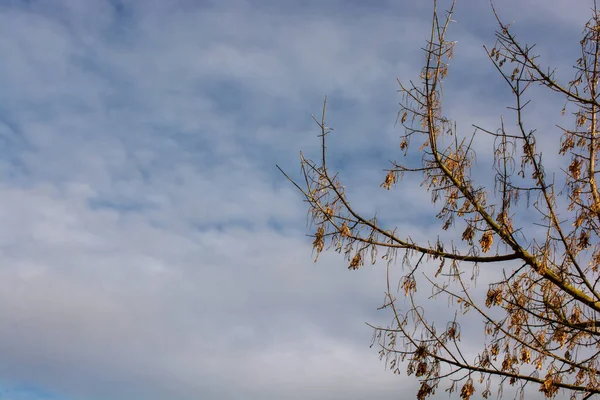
(149, 247)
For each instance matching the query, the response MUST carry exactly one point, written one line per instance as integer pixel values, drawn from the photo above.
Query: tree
(540, 322)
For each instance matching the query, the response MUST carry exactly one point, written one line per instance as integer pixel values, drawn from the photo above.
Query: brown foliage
(540, 321)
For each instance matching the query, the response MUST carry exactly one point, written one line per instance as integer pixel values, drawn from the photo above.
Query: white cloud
(149, 247)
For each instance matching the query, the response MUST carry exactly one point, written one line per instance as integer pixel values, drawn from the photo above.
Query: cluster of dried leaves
(541, 320)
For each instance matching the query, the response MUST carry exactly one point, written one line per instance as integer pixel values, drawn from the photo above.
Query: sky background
(149, 248)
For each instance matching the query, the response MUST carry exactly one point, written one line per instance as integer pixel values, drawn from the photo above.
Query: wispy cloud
(149, 247)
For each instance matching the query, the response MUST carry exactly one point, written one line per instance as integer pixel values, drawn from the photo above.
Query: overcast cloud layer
(149, 248)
